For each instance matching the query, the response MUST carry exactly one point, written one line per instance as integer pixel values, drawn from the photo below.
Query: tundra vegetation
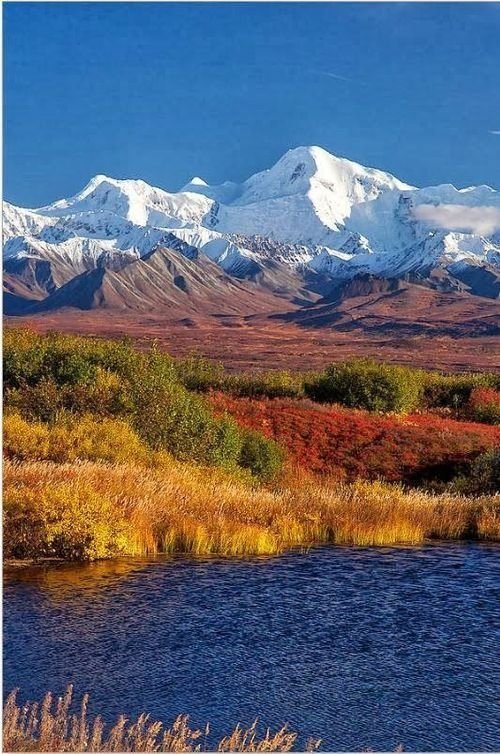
(113, 450)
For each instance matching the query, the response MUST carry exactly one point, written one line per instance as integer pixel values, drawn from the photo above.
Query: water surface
(363, 647)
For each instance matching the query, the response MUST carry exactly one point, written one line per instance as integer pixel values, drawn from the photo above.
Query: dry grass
(182, 508)
(50, 725)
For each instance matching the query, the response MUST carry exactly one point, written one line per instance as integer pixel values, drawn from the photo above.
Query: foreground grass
(87, 510)
(50, 726)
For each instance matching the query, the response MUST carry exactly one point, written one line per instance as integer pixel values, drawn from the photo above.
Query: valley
(262, 342)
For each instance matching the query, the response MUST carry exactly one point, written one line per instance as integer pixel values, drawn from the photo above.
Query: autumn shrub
(72, 438)
(352, 444)
(110, 440)
(63, 520)
(25, 440)
(107, 395)
(44, 400)
(367, 384)
(164, 415)
(48, 377)
(484, 405)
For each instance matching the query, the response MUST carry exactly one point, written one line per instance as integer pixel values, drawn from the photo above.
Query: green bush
(67, 367)
(201, 374)
(169, 418)
(366, 384)
(49, 377)
(198, 373)
(454, 390)
(481, 477)
(29, 358)
(23, 353)
(116, 356)
(272, 384)
(447, 391)
(263, 457)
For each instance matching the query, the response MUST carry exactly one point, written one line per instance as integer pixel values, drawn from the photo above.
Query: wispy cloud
(482, 221)
(495, 133)
(333, 75)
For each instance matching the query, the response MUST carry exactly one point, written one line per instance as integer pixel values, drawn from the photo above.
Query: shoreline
(17, 564)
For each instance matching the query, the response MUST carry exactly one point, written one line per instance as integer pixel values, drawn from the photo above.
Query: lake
(363, 647)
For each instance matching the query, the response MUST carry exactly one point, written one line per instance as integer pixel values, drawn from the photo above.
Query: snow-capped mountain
(311, 214)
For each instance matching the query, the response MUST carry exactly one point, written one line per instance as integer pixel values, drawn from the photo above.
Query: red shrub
(359, 444)
(484, 405)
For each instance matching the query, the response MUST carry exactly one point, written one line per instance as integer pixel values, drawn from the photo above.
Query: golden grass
(52, 726)
(201, 511)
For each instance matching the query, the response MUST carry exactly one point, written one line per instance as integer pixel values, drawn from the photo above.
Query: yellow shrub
(106, 380)
(109, 440)
(85, 438)
(25, 440)
(64, 520)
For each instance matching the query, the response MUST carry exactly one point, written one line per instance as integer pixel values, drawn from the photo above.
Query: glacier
(311, 211)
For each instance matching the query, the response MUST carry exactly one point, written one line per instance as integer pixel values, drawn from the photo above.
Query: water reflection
(59, 581)
(362, 647)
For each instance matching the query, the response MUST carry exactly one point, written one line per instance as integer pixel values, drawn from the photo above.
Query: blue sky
(164, 91)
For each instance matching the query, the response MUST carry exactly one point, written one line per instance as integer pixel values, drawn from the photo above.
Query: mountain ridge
(293, 231)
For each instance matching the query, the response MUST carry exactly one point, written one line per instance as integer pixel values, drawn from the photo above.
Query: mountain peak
(124, 184)
(97, 184)
(128, 198)
(310, 213)
(311, 150)
(195, 182)
(97, 179)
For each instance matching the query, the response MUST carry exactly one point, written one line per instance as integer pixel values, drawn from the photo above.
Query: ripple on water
(363, 647)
